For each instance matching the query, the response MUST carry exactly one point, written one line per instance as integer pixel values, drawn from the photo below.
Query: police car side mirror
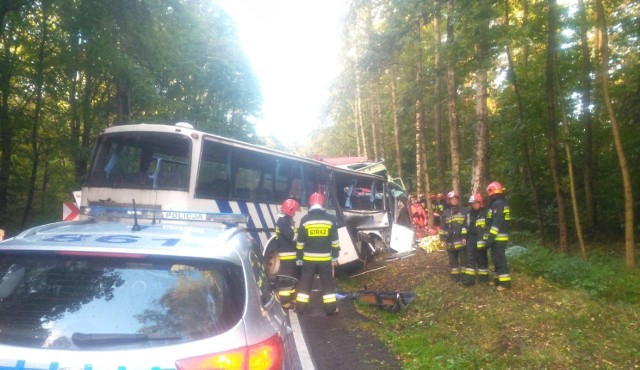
(283, 282)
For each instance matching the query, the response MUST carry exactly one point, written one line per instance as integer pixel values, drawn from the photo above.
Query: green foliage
(105, 63)
(601, 276)
(382, 34)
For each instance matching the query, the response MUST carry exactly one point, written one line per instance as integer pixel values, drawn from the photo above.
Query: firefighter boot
(483, 279)
(468, 280)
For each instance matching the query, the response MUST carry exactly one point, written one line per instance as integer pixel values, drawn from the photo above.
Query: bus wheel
(272, 261)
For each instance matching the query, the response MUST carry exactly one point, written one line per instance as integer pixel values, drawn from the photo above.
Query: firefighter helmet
(453, 194)
(476, 198)
(289, 207)
(494, 188)
(316, 199)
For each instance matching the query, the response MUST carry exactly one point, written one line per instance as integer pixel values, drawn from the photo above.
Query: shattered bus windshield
(142, 161)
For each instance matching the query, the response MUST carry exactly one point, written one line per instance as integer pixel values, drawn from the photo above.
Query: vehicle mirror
(283, 282)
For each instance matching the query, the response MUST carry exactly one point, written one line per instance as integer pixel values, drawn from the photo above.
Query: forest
(70, 68)
(543, 96)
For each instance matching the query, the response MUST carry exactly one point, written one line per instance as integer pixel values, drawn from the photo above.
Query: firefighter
(286, 233)
(317, 251)
(419, 216)
(423, 201)
(441, 205)
(453, 233)
(496, 234)
(474, 263)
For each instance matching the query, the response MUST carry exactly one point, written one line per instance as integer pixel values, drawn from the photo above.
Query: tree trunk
(122, 101)
(6, 126)
(585, 92)
(362, 150)
(572, 185)
(356, 126)
(572, 182)
(479, 171)
(374, 129)
(524, 145)
(419, 112)
(37, 116)
(45, 178)
(394, 107)
(617, 140)
(478, 178)
(552, 127)
(437, 100)
(380, 126)
(85, 149)
(451, 102)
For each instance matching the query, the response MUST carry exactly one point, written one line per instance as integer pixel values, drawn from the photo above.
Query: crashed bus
(180, 174)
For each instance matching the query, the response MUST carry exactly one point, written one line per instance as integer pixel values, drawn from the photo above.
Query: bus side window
(288, 180)
(213, 182)
(253, 176)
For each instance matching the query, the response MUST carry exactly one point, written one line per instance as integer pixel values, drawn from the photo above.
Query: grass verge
(537, 324)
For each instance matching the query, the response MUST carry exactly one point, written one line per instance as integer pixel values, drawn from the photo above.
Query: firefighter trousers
(456, 261)
(470, 263)
(482, 256)
(325, 272)
(499, 258)
(287, 268)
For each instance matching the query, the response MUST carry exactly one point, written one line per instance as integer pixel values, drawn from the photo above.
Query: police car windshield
(45, 299)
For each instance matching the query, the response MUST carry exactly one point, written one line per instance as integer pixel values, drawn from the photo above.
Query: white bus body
(179, 173)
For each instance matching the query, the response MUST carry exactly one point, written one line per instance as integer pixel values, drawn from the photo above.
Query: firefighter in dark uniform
(475, 231)
(496, 234)
(318, 250)
(441, 205)
(453, 232)
(286, 246)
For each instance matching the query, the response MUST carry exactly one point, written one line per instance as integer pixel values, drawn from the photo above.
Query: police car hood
(219, 241)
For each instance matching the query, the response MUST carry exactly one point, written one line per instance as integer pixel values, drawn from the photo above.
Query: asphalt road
(337, 342)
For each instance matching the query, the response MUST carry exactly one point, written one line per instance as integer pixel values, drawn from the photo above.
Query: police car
(97, 294)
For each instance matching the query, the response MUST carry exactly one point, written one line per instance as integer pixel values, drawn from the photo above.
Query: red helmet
(316, 199)
(440, 196)
(453, 194)
(476, 198)
(494, 188)
(289, 207)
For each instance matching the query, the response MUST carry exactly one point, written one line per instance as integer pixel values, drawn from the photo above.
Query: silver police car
(112, 295)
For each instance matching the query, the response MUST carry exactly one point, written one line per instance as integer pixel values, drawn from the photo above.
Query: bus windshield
(142, 160)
